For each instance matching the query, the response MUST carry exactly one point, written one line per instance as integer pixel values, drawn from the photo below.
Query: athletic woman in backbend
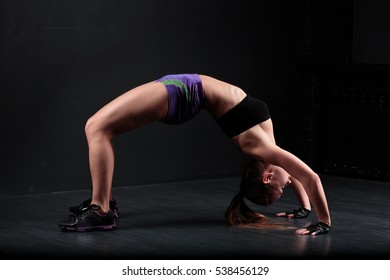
(175, 99)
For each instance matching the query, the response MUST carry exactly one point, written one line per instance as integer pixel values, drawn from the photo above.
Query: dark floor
(185, 220)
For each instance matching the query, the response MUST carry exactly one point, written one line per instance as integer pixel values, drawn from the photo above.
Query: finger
(302, 231)
(282, 214)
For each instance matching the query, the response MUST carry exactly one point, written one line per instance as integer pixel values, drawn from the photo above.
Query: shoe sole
(84, 229)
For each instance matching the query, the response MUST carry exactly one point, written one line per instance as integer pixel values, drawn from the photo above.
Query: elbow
(313, 180)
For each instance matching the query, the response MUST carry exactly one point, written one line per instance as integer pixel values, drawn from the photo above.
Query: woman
(176, 99)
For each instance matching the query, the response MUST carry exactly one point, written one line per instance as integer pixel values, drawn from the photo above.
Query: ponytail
(238, 213)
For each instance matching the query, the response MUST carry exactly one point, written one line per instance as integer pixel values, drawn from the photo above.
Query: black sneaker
(84, 205)
(89, 219)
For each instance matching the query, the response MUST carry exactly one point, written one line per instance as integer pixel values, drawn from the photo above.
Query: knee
(94, 129)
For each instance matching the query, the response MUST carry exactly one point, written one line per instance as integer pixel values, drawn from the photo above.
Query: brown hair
(253, 189)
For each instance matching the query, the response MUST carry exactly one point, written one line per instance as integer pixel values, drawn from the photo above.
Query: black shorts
(246, 114)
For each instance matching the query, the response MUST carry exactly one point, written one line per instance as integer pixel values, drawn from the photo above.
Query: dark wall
(347, 87)
(61, 60)
(371, 40)
(327, 32)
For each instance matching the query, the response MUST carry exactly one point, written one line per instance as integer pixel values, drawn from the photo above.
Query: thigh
(135, 108)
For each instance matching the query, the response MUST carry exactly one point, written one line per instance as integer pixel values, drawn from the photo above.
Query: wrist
(324, 224)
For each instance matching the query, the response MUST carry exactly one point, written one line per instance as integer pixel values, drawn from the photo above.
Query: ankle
(103, 204)
(98, 209)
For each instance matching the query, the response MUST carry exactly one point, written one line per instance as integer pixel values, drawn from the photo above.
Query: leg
(129, 111)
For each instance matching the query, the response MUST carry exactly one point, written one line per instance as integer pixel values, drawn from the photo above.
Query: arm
(300, 193)
(297, 186)
(313, 187)
(310, 180)
(303, 199)
(256, 143)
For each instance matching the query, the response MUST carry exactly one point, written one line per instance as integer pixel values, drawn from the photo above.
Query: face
(277, 178)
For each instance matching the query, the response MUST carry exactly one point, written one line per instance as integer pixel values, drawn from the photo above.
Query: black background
(61, 60)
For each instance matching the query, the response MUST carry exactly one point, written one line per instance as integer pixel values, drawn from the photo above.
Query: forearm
(316, 194)
(300, 193)
(310, 181)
